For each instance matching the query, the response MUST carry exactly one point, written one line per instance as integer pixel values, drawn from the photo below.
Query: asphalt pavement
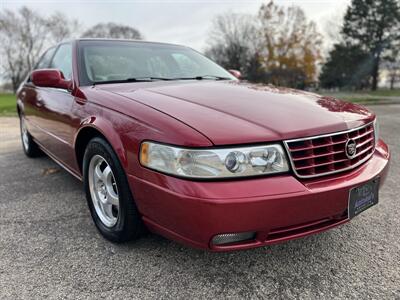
(49, 247)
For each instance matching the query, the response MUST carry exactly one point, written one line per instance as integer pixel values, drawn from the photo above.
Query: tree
(332, 27)
(279, 45)
(291, 45)
(255, 68)
(374, 26)
(24, 36)
(114, 31)
(233, 41)
(347, 66)
(392, 66)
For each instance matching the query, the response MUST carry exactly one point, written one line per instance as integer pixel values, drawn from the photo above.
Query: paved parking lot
(50, 248)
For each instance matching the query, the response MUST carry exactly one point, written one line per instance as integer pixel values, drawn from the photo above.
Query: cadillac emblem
(350, 148)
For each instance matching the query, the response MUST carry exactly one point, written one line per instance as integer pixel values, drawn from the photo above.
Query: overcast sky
(182, 22)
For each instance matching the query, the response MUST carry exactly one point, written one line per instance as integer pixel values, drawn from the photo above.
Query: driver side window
(62, 60)
(44, 62)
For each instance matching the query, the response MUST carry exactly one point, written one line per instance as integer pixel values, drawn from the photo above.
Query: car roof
(126, 40)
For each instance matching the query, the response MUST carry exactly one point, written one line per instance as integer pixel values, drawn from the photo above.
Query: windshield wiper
(202, 77)
(133, 79)
(149, 79)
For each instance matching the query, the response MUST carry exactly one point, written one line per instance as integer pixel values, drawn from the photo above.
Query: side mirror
(50, 78)
(236, 73)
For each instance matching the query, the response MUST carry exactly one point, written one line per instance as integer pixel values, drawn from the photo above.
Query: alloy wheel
(103, 191)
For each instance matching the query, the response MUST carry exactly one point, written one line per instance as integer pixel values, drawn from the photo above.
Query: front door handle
(39, 101)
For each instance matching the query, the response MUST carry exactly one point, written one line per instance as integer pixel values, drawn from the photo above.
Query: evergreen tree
(347, 67)
(374, 27)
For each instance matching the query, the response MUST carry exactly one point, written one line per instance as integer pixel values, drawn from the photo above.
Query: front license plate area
(363, 197)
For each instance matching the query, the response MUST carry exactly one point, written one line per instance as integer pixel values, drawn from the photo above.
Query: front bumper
(277, 208)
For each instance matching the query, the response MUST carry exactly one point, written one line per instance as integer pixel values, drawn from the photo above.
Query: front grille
(326, 154)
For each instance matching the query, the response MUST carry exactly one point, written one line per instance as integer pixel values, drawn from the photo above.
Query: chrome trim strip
(285, 143)
(329, 134)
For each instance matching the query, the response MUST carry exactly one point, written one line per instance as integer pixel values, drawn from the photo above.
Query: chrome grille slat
(318, 146)
(364, 134)
(365, 142)
(316, 156)
(362, 152)
(325, 154)
(320, 165)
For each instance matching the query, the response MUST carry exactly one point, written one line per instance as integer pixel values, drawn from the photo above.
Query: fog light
(228, 238)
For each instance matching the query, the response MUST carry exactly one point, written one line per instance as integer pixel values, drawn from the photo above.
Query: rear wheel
(30, 148)
(107, 191)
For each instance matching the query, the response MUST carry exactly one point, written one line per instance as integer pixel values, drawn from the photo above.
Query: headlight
(376, 130)
(214, 163)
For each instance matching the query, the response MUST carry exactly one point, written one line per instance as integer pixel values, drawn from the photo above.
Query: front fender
(110, 133)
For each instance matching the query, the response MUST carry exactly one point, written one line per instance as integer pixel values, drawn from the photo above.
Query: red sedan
(165, 139)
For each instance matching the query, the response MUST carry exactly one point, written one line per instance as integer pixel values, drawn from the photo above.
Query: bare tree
(62, 28)
(233, 40)
(112, 30)
(24, 35)
(331, 28)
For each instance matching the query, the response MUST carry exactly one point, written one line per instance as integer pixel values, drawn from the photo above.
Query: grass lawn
(383, 96)
(385, 93)
(8, 105)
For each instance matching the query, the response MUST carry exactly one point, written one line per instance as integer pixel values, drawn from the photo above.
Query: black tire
(129, 225)
(31, 149)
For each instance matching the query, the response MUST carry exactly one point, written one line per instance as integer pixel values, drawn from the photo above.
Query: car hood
(230, 112)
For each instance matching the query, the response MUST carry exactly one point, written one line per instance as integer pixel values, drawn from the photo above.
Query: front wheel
(107, 191)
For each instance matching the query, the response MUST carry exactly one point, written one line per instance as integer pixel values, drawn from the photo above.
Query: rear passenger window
(63, 60)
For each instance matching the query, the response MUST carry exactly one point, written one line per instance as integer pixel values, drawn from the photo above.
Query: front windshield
(119, 61)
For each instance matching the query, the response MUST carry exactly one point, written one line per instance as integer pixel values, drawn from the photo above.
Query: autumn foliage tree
(278, 46)
(291, 45)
